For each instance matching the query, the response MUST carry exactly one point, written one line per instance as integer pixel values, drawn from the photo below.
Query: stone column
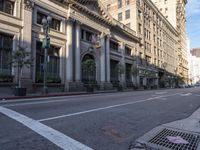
(26, 40)
(108, 59)
(102, 60)
(69, 55)
(123, 77)
(77, 53)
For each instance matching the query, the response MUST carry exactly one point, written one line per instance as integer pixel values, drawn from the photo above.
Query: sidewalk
(4, 96)
(185, 135)
(9, 96)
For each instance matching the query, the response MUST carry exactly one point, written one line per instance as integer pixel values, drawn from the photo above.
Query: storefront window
(53, 66)
(6, 42)
(114, 46)
(7, 6)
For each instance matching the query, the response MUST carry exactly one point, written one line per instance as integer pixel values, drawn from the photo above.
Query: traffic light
(46, 43)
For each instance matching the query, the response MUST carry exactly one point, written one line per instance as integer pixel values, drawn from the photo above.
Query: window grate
(161, 140)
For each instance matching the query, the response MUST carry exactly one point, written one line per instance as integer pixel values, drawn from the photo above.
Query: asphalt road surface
(109, 121)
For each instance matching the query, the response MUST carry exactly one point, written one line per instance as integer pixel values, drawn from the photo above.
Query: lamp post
(164, 65)
(45, 45)
(176, 77)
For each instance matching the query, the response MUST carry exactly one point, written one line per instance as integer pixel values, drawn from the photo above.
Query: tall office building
(158, 45)
(175, 12)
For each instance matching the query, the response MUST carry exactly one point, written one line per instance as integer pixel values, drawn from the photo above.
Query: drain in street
(162, 139)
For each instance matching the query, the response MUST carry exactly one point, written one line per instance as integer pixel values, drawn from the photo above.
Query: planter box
(20, 91)
(52, 87)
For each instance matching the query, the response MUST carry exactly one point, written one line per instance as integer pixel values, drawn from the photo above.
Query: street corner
(182, 134)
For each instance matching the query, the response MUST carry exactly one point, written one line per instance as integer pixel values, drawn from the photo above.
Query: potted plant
(89, 67)
(20, 59)
(120, 70)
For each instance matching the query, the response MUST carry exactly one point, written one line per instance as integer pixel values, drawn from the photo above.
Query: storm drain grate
(161, 139)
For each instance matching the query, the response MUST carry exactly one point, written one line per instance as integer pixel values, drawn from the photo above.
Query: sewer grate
(161, 140)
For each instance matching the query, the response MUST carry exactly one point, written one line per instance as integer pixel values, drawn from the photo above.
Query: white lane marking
(103, 108)
(52, 135)
(160, 93)
(52, 100)
(186, 94)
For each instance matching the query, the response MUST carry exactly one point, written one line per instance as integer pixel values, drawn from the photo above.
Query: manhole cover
(161, 139)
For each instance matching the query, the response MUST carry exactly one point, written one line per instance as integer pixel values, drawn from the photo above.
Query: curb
(3, 98)
(190, 125)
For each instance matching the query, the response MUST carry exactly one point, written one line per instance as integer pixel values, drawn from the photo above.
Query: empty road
(107, 121)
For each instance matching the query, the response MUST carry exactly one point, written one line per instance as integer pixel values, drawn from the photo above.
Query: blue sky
(193, 22)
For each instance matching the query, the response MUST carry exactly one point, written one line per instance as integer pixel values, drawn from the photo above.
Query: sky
(193, 23)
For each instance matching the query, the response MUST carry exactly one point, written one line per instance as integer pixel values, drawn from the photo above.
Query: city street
(107, 121)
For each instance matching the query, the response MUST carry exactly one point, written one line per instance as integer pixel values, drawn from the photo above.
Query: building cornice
(106, 19)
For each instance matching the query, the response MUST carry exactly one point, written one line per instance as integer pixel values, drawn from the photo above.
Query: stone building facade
(175, 12)
(76, 28)
(158, 39)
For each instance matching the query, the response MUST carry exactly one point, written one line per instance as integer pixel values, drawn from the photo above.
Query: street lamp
(164, 65)
(176, 77)
(45, 45)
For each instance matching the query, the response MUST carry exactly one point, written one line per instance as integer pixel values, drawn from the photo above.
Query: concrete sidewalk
(189, 126)
(38, 95)
(9, 96)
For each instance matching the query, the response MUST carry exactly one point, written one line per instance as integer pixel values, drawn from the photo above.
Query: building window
(88, 36)
(148, 60)
(40, 16)
(6, 42)
(140, 58)
(108, 7)
(128, 72)
(120, 17)
(127, 14)
(166, 10)
(82, 34)
(127, 51)
(55, 23)
(7, 6)
(113, 72)
(114, 46)
(140, 28)
(127, 2)
(139, 14)
(155, 62)
(53, 68)
(119, 3)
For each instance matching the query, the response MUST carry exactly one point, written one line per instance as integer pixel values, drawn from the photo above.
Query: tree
(120, 69)
(89, 67)
(20, 59)
(134, 71)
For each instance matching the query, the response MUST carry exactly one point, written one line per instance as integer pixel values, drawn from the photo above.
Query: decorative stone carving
(28, 5)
